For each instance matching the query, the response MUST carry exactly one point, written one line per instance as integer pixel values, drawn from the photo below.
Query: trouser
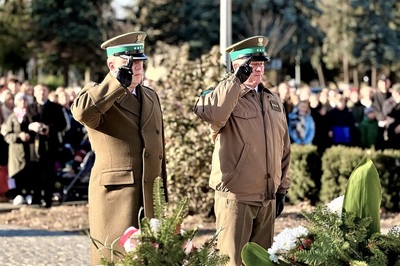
(45, 180)
(243, 223)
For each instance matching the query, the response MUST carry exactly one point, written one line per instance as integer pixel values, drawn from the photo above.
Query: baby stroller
(73, 179)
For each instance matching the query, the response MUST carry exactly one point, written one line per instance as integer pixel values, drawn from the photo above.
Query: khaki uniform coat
(128, 141)
(252, 148)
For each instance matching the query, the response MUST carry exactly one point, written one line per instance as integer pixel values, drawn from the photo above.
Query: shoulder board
(207, 91)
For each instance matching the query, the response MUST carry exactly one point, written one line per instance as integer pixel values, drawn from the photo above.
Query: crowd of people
(38, 136)
(363, 117)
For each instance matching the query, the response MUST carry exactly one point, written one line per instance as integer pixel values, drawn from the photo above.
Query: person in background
(3, 160)
(48, 122)
(27, 88)
(251, 155)
(124, 122)
(301, 124)
(75, 132)
(341, 123)
(13, 84)
(357, 110)
(368, 129)
(19, 138)
(391, 110)
(284, 95)
(381, 95)
(7, 105)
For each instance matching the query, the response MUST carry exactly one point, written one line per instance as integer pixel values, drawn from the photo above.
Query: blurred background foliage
(331, 40)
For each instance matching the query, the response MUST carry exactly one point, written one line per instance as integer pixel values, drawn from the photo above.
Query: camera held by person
(40, 128)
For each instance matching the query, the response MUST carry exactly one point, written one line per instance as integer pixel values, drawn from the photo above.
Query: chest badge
(275, 106)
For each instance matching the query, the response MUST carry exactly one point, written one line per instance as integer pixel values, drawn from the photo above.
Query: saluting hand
(243, 72)
(125, 73)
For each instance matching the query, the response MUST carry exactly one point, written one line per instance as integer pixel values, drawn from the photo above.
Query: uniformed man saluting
(125, 126)
(252, 151)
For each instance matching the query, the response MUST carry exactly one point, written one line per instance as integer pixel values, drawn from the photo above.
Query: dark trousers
(45, 177)
(381, 142)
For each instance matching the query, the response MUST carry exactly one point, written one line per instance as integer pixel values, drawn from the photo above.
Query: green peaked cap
(128, 44)
(251, 47)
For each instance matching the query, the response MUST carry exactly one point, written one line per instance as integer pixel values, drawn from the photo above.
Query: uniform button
(146, 180)
(160, 156)
(269, 175)
(146, 154)
(158, 131)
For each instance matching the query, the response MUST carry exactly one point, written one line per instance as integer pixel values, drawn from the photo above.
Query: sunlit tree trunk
(346, 68)
(373, 76)
(355, 78)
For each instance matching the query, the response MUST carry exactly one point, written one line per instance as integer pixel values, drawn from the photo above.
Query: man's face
(256, 76)
(41, 93)
(137, 69)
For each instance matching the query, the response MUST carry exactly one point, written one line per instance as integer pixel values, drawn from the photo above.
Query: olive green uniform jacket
(252, 148)
(128, 141)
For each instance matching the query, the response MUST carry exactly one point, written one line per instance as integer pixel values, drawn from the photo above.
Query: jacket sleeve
(215, 106)
(94, 100)
(9, 135)
(310, 130)
(292, 129)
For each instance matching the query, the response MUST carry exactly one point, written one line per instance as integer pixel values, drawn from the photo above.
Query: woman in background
(301, 124)
(19, 137)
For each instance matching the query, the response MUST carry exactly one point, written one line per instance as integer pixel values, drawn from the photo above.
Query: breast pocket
(245, 109)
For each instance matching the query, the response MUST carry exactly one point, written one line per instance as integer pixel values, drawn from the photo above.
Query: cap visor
(260, 58)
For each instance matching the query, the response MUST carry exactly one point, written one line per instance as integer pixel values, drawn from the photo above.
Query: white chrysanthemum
(155, 225)
(272, 254)
(285, 241)
(336, 205)
(299, 231)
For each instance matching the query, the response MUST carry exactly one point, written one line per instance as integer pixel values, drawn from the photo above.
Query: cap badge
(140, 38)
(260, 42)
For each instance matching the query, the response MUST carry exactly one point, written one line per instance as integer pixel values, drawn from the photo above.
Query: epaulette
(207, 91)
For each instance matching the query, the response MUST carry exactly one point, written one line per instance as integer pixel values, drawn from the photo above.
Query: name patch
(275, 106)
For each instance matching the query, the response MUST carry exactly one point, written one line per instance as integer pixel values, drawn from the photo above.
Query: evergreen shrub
(305, 171)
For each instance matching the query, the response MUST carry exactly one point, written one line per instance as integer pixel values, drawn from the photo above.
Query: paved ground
(27, 247)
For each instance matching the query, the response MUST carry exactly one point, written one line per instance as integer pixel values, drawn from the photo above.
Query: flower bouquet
(345, 232)
(161, 241)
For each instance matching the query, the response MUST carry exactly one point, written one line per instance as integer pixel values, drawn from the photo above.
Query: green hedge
(337, 164)
(305, 171)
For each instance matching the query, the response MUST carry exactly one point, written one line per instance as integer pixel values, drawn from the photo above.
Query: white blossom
(155, 225)
(285, 241)
(336, 205)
